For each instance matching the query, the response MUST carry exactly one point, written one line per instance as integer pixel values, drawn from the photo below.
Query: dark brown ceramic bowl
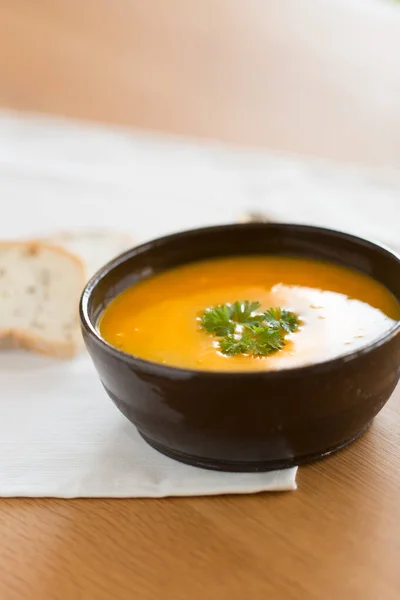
(246, 421)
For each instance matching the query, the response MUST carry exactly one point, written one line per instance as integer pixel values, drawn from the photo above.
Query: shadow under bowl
(248, 421)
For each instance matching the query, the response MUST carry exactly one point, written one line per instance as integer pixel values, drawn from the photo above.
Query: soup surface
(339, 310)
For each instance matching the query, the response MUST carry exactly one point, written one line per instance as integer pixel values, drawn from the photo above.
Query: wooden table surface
(317, 77)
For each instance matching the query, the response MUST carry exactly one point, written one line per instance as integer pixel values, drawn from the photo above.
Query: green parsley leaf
(217, 320)
(289, 321)
(231, 345)
(272, 317)
(267, 342)
(242, 310)
(244, 332)
(279, 318)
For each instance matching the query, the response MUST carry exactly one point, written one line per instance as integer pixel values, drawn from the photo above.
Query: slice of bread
(94, 247)
(40, 286)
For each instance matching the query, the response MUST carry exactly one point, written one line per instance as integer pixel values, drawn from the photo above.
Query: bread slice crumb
(40, 287)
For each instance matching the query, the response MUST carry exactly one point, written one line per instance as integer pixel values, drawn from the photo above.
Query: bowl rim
(162, 369)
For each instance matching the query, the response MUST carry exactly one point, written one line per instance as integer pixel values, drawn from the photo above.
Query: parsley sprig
(245, 331)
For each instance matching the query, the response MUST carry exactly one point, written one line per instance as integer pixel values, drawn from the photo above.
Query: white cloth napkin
(59, 433)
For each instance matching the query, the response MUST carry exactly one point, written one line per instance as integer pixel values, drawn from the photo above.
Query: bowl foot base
(249, 466)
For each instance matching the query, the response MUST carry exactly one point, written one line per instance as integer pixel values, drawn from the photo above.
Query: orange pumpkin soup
(335, 311)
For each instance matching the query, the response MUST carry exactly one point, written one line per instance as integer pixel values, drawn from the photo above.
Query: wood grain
(337, 536)
(255, 72)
